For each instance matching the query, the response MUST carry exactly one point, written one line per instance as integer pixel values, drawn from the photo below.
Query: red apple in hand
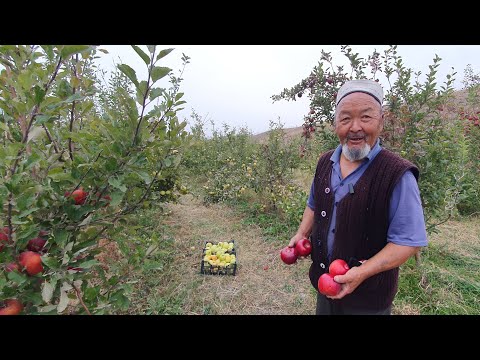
(10, 307)
(303, 247)
(328, 286)
(338, 267)
(288, 255)
(31, 261)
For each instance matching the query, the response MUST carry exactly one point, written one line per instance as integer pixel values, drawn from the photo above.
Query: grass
(168, 280)
(447, 282)
(263, 285)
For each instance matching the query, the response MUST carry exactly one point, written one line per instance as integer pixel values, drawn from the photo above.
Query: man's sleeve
(310, 201)
(407, 222)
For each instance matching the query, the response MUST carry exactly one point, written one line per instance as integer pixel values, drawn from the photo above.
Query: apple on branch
(10, 307)
(31, 261)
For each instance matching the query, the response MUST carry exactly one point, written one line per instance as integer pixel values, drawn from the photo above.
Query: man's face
(358, 121)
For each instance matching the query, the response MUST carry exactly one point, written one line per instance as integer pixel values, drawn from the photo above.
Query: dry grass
(459, 237)
(262, 285)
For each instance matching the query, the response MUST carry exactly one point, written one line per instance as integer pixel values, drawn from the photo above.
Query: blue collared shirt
(406, 220)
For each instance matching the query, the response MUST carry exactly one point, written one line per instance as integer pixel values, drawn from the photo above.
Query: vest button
(322, 265)
(327, 190)
(323, 213)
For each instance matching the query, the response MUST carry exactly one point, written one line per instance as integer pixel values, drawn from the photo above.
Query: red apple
(338, 267)
(107, 199)
(79, 196)
(10, 307)
(328, 286)
(303, 247)
(3, 239)
(36, 244)
(288, 255)
(12, 266)
(31, 261)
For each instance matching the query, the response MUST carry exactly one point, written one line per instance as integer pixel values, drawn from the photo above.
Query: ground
(263, 284)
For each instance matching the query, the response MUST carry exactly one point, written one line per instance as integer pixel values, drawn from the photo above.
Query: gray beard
(355, 154)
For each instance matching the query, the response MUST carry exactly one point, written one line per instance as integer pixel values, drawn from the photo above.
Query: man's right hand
(293, 241)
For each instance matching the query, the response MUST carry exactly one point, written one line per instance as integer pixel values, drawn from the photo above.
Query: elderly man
(364, 204)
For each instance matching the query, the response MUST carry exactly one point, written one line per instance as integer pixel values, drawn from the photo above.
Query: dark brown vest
(361, 226)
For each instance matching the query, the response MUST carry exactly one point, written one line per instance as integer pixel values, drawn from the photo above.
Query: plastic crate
(209, 269)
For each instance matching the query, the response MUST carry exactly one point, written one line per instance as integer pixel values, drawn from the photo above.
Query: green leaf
(120, 300)
(39, 94)
(50, 262)
(61, 237)
(25, 79)
(48, 50)
(179, 96)
(63, 303)
(91, 293)
(47, 291)
(27, 212)
(87, 220)
(117, 198)
(129, 72)
(141, 90)
(35, 133)
(117, 183)
(142, 54)
(41, 119)
(3, 283)
(151, 48)
(145, 176)
(16, 277)
(74, 97)
(156, 92)
(73, 49)
(159, 72)
(164, 53)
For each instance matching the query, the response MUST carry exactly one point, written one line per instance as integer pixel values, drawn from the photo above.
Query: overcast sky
(233, 84)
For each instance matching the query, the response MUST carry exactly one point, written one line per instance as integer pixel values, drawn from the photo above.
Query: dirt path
(262, 285)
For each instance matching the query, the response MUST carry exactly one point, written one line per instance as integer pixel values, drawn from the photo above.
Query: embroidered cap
(369, 87)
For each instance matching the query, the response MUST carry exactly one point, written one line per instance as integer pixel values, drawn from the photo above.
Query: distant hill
(290, 134)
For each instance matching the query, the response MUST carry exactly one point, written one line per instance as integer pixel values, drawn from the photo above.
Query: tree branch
(79, 297)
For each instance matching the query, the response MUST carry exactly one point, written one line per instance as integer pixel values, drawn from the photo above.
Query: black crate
(208, 269)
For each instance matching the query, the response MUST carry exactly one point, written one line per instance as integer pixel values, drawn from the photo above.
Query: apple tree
(75, 159)
(415, 124)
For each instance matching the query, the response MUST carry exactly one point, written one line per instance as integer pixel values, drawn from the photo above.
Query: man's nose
(356, 125)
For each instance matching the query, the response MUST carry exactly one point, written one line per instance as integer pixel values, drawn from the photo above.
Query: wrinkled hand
(295, 239)
(350, 281)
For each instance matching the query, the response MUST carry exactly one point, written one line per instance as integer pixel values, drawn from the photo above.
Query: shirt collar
(335, 158)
